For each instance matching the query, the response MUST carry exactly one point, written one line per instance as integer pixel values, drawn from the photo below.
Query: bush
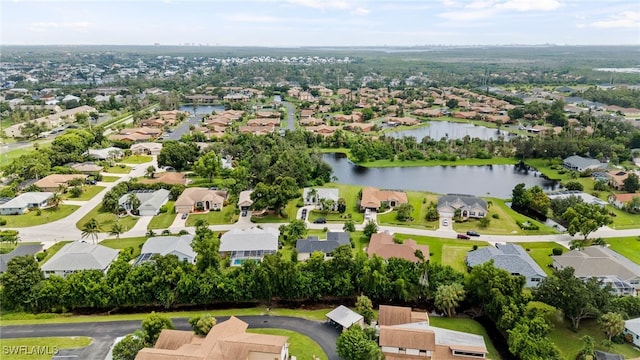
(163, 209)
(495, 216)
(527, 225)
(40, 256)
(3, 222)
(38, 212)
(475, 247)
(557, 251)
(76, 191)
(574, 185)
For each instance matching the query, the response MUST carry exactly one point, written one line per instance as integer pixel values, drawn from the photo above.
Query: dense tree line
(621, 97)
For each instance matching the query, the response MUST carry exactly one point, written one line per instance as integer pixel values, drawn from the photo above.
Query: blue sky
(320, 22)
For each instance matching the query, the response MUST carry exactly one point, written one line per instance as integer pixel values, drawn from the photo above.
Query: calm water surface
(437, 130)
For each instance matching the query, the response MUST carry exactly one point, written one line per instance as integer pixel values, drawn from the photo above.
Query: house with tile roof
(200, 199)
(621, 200)
(510, 257)
(179, 246)
(79, 255)
(53, 182)
(602, 263)
(383, 245)
(22, 203)
(373, 198)
(228, 340)
(469, 206)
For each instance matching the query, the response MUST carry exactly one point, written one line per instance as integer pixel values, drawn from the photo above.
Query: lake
(202, 109)
(437, 130)
(490, 180)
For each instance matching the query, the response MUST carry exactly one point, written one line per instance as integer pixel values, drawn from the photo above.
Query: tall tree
(448, 297)
(208, 165)
(586, 218)
(91, 229)
(364, 307)
(116, 230)
(370, 228)
(631, 183)
(150, 171)
(22, 274)
(55, 200)
(207, 246)
(612, 324)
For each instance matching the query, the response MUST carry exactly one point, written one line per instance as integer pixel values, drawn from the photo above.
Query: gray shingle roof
(510, 257)
(250, 239)
(80, 255)
(148, 199)
(21, 250)
(164, 245)
(460, 200)
(312, 243)
(582, 162)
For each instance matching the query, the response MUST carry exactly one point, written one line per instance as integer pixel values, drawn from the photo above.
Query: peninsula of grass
(88, 193)
(165, 219)
(225, 216)
(469, 326)
(48, 345)
(541, 253)
(450, 252)
(628, 247)
(301, 346)
(136, 159)
(32, 218)
(106, 219)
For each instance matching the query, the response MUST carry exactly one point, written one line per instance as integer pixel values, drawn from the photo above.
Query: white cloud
(322, 4)
(252, 18)
(625, 19)
(467, 15)
(80, 26)
(360, 11)
(528, 5)
(480, 4)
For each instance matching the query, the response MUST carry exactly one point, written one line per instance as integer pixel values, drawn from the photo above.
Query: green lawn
(53, 249)
(32, 218)
(629, 247)
(89, 192)
(225, 216)
(108, 178)
(118, 169)
(420, 207)
(300, 346)
(541, 253)
(446, 251)
(350, 194)
(136, 159)
(623, 219)
(569, 342)
(106, 219)
(42, 348)
(124, 243)
(163, 220)
(20, 318)
(468, 326)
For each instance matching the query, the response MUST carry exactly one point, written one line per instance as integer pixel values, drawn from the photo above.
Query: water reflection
(451, 130)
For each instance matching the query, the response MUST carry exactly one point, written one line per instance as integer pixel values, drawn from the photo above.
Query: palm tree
(91, 229)
(133, 201)
(117, 229)
(55, 200)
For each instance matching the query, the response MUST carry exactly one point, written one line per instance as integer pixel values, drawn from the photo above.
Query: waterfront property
(579, 163)
(249, 244)
(469, 206)
(373, 198)
(79, 255)
(510, 257)
(313, 196)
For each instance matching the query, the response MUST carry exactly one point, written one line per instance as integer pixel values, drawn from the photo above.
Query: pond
(202, 109)
(490, 180)
(437, 130)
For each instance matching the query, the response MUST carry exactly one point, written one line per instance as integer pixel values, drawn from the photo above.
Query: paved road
(291, 115)
(104, 333)
(183, 128)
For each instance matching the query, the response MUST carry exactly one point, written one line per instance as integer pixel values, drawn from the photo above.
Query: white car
(445, 222)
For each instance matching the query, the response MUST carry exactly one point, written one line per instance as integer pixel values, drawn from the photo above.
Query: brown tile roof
(625, 198)
(264, 122)
(54, 180)
(382, 245)
(372, 197)
(407, 338)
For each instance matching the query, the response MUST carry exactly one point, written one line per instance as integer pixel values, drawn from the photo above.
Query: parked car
(320, 221)
(445, 222)
(463, 237)
(472, 233)
(303, 215)
(244, 213)
(184, 216)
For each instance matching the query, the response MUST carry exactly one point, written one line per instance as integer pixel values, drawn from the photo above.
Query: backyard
(455, 250)
(629, 247)
(569, 343)
(45, 216)
(469, 326)
(301, 346)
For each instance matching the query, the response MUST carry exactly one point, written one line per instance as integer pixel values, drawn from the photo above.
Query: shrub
(41, 256)
(574, 185)
(163, 209)
(3, 222)
(75, 191)
(38, 212)
(475, 247)
(527, 225)
(557, 251)
(495, 216)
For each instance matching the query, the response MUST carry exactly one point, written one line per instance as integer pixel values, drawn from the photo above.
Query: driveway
(104, 333)
(291, 115)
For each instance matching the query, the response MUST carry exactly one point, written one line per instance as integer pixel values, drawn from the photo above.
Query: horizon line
(329, 46)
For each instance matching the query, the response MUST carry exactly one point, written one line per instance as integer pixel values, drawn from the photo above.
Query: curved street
(104, 333)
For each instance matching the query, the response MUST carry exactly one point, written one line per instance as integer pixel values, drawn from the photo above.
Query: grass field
(106, 219)
(301, 346)
(469, 326)
(629, 247)
(123, 243)
(225, 216)
(88, 193)
(163, 220)
(32, 218)
(108, 178)
(39, 348)
(136, 159)
(53, 249)
(446, 251)
(569, 342)
(118, 169)
(540, 252)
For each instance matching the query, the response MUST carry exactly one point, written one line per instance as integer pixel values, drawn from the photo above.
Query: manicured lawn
(136, 159)
(53, 249)
(124, 243)
(301, 346)
(623, 219)
(118, 169)
(541, 253)
(29, 319)
(445, 251)
(39, 348)
(468, 326)
(350, 194)
(163, 220)
(89, 192)
(420, 207)
(106, 219)
(32, 218)
(569, 342)
(271, 218)
(629, 247)
(108, 178)
(225, 216)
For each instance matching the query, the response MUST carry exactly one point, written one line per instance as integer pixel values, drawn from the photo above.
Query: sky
(292, 23)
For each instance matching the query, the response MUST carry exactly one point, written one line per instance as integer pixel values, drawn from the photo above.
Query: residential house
(52, 120)
(311, 121)
(20, 250)
(150, 201)
(510, 257)
(106, 153)
(469, 206)
(263, 122)
(306, 114)
(179, 246)
(306, 247)
(373, 198)
(137, 134)
(249, 244)
(22, 203)
(383, 245)
(244, 200)
(344, 318)
(602, 263)
(314, 196)
(406, 121)
(621, 200)
(632, 328)
(256, 130)
(168, 177)
(428, 112)
(268, 114)
(79, 255)
(146, 148)
(324, 130)
(581, 164)
(469, 115)
(88, 168)
(406, 334)
(200, 199)
(55, 182)
(617, 178)
(226, 340)
(362, 127)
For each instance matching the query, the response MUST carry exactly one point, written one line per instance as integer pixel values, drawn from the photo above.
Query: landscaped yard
(89, 192)
(301, 346)
(290, 209)
(46, 216)
(469, 326)
(124, 243)
(568, 341)
(420, 207)
(163, 220)
(39, 348)
(136, 159)
(629, 247)
(225, 216)
(106, 219)
(540, 252)
(350, 194)
(118, 169)
(108, 178)
(446, 251)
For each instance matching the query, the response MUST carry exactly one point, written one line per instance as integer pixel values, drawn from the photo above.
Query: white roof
(344, 316)
(323, 193)
(80, 255)
(448, 337)
(103, 153)
(164, 245)
(633, 325)
(250, 239)
(23, 200)
(245, 197)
